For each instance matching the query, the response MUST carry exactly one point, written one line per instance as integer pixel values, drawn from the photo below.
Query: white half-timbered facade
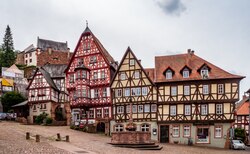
(134, 97)
(47, 93)
(88, 77)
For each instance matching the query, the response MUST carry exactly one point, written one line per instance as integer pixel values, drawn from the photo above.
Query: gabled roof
(30, 48)
(121, 63)
(243, 108)
(13, 68)
(45, 44)
(150, 72)
(103, 51)
(21, 104)
(177, 62)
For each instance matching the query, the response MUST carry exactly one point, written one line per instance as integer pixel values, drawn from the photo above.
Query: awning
(20, 104)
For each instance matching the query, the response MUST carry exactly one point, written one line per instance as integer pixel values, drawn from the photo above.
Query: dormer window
(185, 73)
(169, 74)
(204, 73)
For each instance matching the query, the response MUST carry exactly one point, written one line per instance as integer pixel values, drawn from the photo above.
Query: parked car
(237, 144)
(3, 116)
(11, 116)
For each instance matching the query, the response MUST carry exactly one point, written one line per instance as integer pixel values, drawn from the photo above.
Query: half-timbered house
(47, 93)
(196, 100)
(134, 97)
(242, 114)
(88, 77)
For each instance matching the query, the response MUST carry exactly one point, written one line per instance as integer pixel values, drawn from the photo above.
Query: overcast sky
(217, 30)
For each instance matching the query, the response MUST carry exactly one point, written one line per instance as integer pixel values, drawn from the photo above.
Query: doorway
(100, 127)
(164, 134)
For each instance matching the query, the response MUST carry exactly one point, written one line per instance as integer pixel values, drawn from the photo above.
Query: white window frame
(137, 75)
(96, 93)
(98, 113)
(122, 76)
(119, 128)
(128, 109)
(103, 74)
(187, 109)
(146, 108)
(131, 62)
(106, 112)
(118, 92)
(153, 108)
(204, 73)
(218, 131)
(127, 92)
(91, 113)
(95, 75)
(204, 109)
(220, 88)
(185, 73)
(205, 89)
(186, 130)
(120, 109)
(104, 92)
(176, 131)
(134, 108)
(145, 127)
(173, 91)
(186, 90)
(140, 108)
(144, 91)
(173, 110)
(219, 108)
(169, 74)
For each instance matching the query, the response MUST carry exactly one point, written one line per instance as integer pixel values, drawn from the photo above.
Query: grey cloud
(172, 7)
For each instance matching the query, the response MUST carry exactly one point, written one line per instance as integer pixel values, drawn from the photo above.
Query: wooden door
(164, 133)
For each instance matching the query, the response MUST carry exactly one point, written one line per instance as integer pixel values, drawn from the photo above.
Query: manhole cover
(81, 151)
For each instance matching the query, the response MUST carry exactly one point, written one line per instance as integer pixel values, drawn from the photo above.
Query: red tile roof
(243, 109)
(150, 72)
(177, 62)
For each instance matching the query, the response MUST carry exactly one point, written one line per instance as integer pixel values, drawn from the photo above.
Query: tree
(8, 56)
(11, 98)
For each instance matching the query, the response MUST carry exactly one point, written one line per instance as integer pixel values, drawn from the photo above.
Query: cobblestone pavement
(12, 141)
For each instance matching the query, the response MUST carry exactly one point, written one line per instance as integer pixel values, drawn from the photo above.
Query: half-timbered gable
(133, 91)
(242, 114)
(88, 77)
(195, 92)
(46, 90)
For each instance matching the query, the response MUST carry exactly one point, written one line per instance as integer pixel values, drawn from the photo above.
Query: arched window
(145, 127)
(185, 73)
(169, 74)
(119, 128)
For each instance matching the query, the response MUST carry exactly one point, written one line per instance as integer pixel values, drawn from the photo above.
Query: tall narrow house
(88, 77)
(134, 97)
(47, 93)
(196, 100)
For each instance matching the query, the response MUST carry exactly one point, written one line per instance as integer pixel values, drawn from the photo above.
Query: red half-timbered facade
(88, 77)
(242, 114)
(47, 93)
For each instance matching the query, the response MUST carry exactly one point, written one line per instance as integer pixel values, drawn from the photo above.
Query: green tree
(11, 98)
(9, 55)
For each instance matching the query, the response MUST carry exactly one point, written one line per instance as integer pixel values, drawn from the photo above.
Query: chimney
(68, 55)
(189, 51)
(50, 50)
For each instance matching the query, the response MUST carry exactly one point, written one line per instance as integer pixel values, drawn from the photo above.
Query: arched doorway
(100, 127)
(59, 114)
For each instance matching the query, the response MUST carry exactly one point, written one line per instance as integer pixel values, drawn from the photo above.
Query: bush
(40, 119)
(240, 134)
(48, 120)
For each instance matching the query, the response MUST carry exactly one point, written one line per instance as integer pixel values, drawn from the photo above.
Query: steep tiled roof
(150, 72)
(177, 62)
(243, 109)
(45, 44)
(55, 70)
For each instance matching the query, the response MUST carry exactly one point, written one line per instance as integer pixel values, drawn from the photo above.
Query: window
(98, 113)
(119, 128)
(186, 90)
(187, 109)
(204, 109)
(175, 131)
(34, 107)
(203, 135)
(26, 55)
(173, 91)
(144, 90)
(84, 74)
(145, 127)
(217, 131)
(128, 109)
(169, 74)
(71, 78)
(26, 62)
(137, 75)
(103, 74)
(153, 108)
(84, 92)
(93, 59)
(185, 73)
(135, 91)
(134, 108)
(80, 62)
(122, 76)
(186, 131)
(95, 76)
(104, 92)
(30, 54)
(131, 62)
(96, 93)
(78, 93)
(204, 73)
(44, 106)
(127, 92)
(173, 110)
(146, 108)
(218, 108)
(220, 89)
(30, 60)
(106, 112)
(205, 89)
(91, 113)
(140, 108)
(120, 109)
(118, 92)
(239, 119)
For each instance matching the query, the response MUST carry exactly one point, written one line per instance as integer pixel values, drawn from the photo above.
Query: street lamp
(249, 116)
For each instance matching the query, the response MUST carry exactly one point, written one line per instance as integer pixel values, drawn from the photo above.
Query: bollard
(37, 138)
(67, 138)
(58, 137)
(27, 135)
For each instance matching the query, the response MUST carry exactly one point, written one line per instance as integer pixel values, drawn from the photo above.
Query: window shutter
(92, 93)
(108, 91)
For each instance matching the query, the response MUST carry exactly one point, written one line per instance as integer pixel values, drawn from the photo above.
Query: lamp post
(249, 117)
